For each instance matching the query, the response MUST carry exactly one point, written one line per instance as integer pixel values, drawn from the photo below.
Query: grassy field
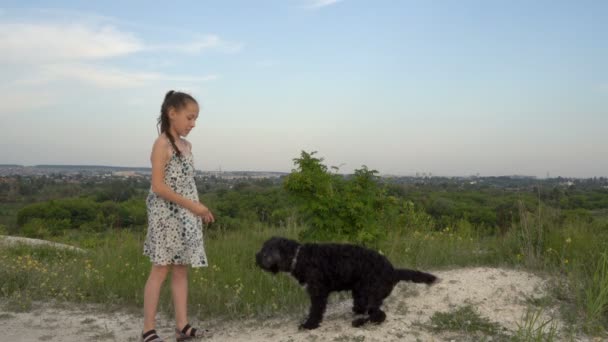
(113, 270)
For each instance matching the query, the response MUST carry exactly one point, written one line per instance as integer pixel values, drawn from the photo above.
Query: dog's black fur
(324, 268)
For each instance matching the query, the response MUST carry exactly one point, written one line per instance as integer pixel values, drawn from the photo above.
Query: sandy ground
(498, 294)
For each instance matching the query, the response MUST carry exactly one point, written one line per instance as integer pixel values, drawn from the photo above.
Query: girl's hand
(200, 210)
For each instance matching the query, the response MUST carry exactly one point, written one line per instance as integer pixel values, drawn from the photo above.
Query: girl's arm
(160, 156)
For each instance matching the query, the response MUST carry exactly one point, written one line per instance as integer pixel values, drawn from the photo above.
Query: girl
(175, 216)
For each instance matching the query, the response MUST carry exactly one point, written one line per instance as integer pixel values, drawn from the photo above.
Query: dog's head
(276, 254)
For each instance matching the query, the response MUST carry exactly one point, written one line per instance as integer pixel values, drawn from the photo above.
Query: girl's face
(183, 120)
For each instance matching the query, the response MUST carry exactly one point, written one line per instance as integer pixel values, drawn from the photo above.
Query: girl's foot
(151, 336)
(189, 333)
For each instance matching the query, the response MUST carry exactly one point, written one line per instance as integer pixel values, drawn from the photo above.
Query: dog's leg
(360, 321)
(360, 306)
(376, 315)
(318, 302)
(359, 302)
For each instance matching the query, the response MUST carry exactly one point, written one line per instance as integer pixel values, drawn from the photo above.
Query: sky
(451, 88)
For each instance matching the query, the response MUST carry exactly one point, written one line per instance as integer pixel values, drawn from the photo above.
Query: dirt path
(502, 296)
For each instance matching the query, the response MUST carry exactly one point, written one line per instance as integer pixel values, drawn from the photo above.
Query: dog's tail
(414, 276)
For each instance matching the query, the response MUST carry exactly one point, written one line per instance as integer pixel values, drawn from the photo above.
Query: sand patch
(503, 296)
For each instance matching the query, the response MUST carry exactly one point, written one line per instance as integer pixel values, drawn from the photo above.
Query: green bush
(42, 229)
(338, 208)
(79, 213)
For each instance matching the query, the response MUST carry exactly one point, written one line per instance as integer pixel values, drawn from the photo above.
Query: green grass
(465, 320)
(596, 295)
(8, 214)
(534, 329)
(113, 271)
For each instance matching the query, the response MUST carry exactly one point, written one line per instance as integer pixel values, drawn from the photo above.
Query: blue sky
(447, 87)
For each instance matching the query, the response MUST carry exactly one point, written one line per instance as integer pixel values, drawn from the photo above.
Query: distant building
(126, 174)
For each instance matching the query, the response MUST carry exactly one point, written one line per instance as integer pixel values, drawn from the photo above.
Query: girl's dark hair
(176, 100)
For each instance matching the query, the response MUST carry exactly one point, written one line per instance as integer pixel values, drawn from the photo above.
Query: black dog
(324, 268)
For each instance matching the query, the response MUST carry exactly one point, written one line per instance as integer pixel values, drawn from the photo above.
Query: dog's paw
(359, 322)
(308, 326)
(358, 311)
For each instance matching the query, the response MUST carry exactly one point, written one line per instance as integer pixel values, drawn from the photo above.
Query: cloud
(317, 4)
(39, 42)
(104, 76)
(39, 51)
(208, 42)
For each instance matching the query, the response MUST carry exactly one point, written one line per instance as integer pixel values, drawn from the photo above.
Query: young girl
(175, 215)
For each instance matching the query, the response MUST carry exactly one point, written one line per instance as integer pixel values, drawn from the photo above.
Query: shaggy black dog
(324, 268)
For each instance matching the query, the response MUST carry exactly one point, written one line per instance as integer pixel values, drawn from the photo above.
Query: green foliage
(113, 270)
(53, 217)
(506, 214)
(425, 223)
(464, 319)
(248, 203)
(596, 295)
(337, 208)
(42, 229)
(533, 328)
(412, 217)
(27, 189)
(116, 191)
(48, 210)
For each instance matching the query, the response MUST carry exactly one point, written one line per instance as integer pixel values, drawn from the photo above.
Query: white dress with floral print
(175, 234)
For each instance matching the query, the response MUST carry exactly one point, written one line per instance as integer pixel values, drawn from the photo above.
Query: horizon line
(422, 174)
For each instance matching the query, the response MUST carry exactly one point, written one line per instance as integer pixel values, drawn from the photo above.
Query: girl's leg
(179, 288)
(152, 294)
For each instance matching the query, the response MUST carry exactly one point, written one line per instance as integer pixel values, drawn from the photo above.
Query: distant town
(78, 173)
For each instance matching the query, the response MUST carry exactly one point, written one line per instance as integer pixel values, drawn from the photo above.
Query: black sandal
(151, 336)
(182, 336)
